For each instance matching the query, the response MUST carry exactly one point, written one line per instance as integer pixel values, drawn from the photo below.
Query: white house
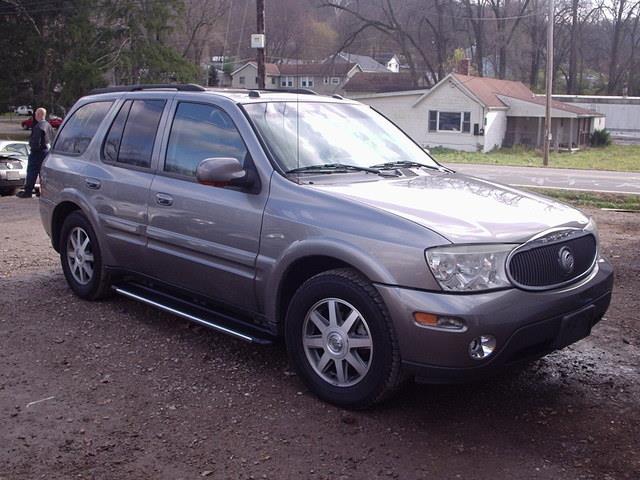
(469, 113)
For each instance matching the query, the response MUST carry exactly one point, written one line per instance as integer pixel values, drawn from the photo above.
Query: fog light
(482, 347)
(440, 323)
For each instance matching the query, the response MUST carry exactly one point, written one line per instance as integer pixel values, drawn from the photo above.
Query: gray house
(323, 78)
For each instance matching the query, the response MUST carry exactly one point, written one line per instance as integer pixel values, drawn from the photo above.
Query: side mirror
(222, 171)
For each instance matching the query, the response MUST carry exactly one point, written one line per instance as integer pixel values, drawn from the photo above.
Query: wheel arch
(60, 213)
(307, 261)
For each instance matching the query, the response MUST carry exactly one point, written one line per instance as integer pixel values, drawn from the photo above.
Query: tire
(5, 191)
(319, 343)
(81, 258)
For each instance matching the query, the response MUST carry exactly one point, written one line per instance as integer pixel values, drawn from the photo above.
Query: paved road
(556, 178)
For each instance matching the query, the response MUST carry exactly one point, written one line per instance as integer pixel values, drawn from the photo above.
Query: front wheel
(341, 341)
(81, 258)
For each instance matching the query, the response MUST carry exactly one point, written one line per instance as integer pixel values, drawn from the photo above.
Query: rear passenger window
(77, 133)
(198, 132)
(133, 132)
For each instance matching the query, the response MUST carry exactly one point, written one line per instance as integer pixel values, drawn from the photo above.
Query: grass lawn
(592, 199)
(625, 158)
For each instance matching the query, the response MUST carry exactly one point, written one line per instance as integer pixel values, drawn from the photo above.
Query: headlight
(470, 268)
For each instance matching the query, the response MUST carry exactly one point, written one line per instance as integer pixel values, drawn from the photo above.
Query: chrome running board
(216, 321)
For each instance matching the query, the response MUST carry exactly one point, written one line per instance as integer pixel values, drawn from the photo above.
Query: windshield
(304, 134)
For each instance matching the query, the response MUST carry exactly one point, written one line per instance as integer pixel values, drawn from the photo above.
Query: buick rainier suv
(287, 215)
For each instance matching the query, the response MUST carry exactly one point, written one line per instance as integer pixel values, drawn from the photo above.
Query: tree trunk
(572, 84)
(615, 49)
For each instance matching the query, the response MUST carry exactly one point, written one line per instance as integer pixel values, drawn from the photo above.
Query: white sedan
(13, 165)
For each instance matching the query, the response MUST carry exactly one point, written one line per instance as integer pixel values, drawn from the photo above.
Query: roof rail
(181, 87)
(302, 91)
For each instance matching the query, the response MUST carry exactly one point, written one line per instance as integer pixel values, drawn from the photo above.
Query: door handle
(93, 183)
(164, 199)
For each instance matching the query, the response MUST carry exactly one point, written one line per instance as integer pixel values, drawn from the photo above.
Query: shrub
(600, 138)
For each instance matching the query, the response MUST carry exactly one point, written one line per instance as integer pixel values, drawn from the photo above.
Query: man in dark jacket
(39, 143)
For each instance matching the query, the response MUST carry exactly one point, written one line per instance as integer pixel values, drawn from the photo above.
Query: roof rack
(302, 91)
(181, 87)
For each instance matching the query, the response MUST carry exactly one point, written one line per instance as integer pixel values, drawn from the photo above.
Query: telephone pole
(549, 87)
(261, 52)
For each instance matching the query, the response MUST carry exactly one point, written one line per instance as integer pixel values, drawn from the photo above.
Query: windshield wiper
(405, 164)
(338, 168)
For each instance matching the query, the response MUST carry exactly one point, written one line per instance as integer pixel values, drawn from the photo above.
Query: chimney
(463, 66)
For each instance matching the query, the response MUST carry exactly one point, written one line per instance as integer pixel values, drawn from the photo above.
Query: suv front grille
(542, 265)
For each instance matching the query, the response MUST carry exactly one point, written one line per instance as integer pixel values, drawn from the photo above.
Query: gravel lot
(118, 390)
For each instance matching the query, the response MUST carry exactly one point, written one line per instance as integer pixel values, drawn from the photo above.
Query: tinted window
(199, 132)
(132, 134)
(112, 142)
(81, 127)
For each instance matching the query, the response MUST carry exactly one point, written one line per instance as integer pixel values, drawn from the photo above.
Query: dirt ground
(117, 390)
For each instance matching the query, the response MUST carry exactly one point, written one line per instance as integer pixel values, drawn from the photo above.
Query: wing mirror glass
(222, 172)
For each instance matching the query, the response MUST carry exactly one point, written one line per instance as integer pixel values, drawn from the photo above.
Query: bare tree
(200, 17)
(508, 15)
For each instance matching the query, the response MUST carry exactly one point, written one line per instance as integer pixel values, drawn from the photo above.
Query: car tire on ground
(81, 259)
(341, 341)
(4, 191)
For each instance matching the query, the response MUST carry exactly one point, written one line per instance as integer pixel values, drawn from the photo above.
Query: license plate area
(13, 175)
(575, 326)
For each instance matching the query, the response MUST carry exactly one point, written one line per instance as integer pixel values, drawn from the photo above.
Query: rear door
(118, 184)
(204, 238)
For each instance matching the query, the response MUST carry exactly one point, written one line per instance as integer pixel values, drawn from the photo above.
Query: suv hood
(461, 208)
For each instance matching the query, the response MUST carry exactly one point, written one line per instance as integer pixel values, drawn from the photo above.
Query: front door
(200, 237)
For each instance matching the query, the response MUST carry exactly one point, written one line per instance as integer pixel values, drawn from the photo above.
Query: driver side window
(201, 131)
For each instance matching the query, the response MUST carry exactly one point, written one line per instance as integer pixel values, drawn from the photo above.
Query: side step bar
(218, 321)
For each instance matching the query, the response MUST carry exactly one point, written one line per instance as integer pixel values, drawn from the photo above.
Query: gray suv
(268, 215)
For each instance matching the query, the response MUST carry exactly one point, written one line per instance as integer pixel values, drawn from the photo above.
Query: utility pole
(549, 87)
(261, 53)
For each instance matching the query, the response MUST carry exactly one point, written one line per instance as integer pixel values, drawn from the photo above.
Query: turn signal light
(440, 323)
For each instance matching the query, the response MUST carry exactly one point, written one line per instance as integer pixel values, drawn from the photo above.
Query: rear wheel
(4, 191)
(341, 341)
(81, 258)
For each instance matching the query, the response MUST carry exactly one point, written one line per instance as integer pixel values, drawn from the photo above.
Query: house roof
(384, 58)
(270, 68)
(316, 69)
(489, 91)
(366, 63)
(379, 82)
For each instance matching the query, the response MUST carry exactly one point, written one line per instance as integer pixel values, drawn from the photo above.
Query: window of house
(286, 82)
(307, 82)
(449, 121)
(201, 131)
(77, 133)
(335, 80)
(257, 81)
(132, 134)
(325, 80)
(241, 80)
(273, 80)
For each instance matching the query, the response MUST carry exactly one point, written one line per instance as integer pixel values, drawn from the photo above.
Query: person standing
(39, 144)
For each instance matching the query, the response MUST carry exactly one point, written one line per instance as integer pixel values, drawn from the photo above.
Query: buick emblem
(566, 259)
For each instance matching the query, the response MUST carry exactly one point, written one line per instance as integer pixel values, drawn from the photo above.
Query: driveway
(118, 390)
(601, 181)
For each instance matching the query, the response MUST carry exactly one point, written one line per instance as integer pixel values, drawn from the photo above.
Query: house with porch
(468, 113)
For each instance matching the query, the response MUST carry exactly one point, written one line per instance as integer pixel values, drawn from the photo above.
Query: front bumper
(526, 324)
